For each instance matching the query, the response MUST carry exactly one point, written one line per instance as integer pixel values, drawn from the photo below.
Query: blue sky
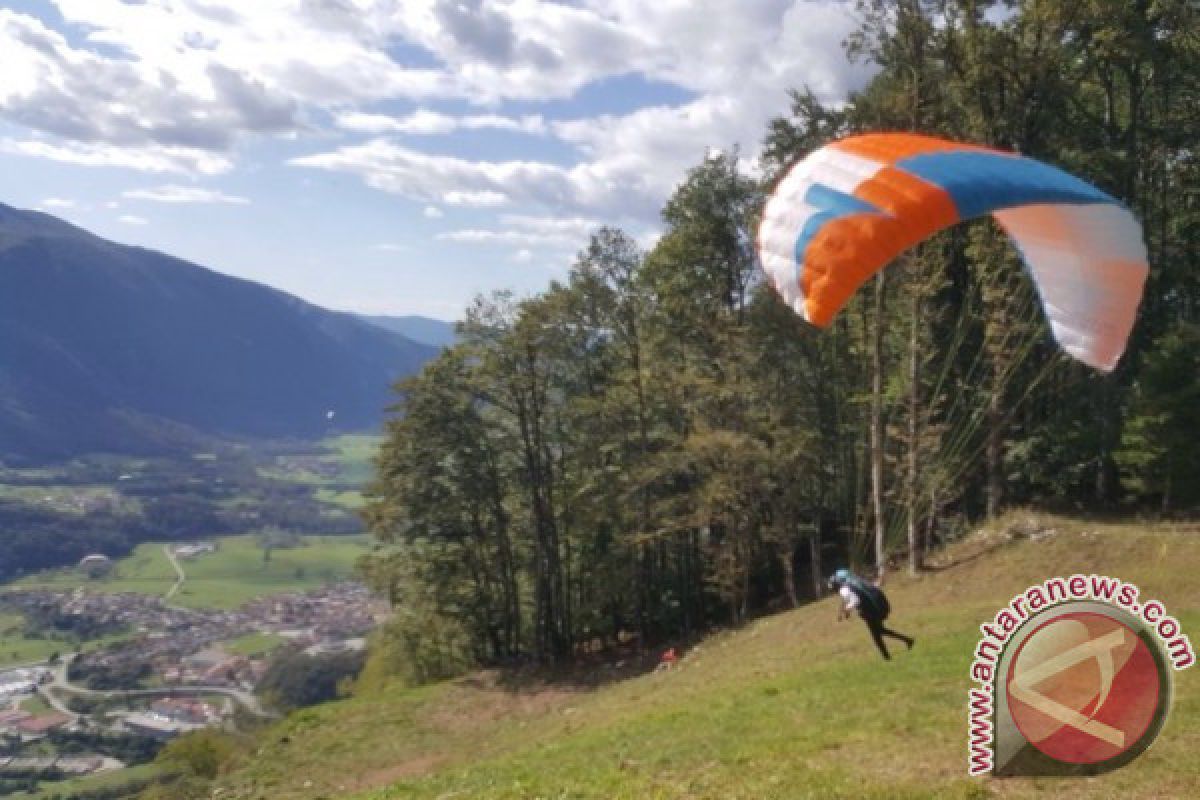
(390, 156)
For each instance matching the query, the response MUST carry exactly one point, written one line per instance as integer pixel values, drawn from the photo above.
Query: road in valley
(60, 684)
(178, 571)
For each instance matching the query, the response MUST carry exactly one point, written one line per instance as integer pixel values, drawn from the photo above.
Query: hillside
(794, 705)
(105, 347)
(426, 330)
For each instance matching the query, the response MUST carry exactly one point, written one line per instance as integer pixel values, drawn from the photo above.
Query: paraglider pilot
(871, 604)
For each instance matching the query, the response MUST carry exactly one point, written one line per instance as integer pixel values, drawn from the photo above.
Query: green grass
(237, 572)
(356, 453)
(146, 571)
(353, 455)
(349, 500)
(252, 644)
(35, 705)
(106, 780)
(15, 648)
(792, 706)
(227, 578)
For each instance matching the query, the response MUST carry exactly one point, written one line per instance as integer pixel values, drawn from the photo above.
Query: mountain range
(113, 348)
(433, 332)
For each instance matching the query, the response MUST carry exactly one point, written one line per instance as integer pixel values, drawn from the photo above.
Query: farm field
(252, 644)
(16, 649)
(129, 777)
(238, 571)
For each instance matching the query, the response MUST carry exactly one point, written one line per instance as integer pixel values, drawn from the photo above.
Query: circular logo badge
(1086, 688)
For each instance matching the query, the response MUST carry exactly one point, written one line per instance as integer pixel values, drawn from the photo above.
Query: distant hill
(106, 347)
(433, 332)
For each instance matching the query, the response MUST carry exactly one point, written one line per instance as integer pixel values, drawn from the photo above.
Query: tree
(201, 754)
(1163, 419)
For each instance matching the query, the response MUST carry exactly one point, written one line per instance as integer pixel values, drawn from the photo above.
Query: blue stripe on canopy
(980, 182)
(833, 204)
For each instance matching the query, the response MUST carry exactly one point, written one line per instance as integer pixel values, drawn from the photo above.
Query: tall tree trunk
(814, 556)
(995, 440)
(914, 550)
(877, 428)
(789, 576)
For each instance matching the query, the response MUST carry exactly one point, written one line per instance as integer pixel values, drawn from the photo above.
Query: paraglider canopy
(849, 208)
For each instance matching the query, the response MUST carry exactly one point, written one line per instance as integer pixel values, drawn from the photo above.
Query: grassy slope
(224, 579)
(55, 790)
(16, 649)
(792, 706)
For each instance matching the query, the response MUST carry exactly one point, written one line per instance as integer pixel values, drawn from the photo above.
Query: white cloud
(183, 194)
(525, 49)
(425, 122)
(371, 89)
(483, 236)
(529, 232)
(174, 85)
(739, 60)
(131, 219)
(566, 227)
(392, 247)
(197, 75)
(432, 178)
(58, 202)
(81, 95)
(150, 158)
(483, 198)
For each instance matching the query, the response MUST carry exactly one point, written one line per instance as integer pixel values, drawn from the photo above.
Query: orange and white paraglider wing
(851, 207)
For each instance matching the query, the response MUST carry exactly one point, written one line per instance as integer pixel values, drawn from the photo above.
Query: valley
(130, 645)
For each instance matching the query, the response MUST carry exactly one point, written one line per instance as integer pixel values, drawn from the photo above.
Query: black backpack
(872, 599)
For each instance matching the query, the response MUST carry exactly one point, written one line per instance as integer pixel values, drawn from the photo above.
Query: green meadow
(252, 644)
(15, 648)
(355, 455)
(130, 778)
(350, 458)
(238, 571)
(795, 705)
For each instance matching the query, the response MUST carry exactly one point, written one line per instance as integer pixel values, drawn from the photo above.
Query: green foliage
(128, 748)
(201, 753)
(1164, 416)
(418, 645)
(657, 445)
(276, 538)
(294, 679)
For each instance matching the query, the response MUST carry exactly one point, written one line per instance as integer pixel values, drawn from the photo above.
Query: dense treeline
(127, 747)
(658, 444)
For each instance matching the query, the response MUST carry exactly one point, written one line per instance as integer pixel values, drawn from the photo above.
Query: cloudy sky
(390, 156)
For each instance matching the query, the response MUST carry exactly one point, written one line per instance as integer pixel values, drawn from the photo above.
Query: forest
(657, 445)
